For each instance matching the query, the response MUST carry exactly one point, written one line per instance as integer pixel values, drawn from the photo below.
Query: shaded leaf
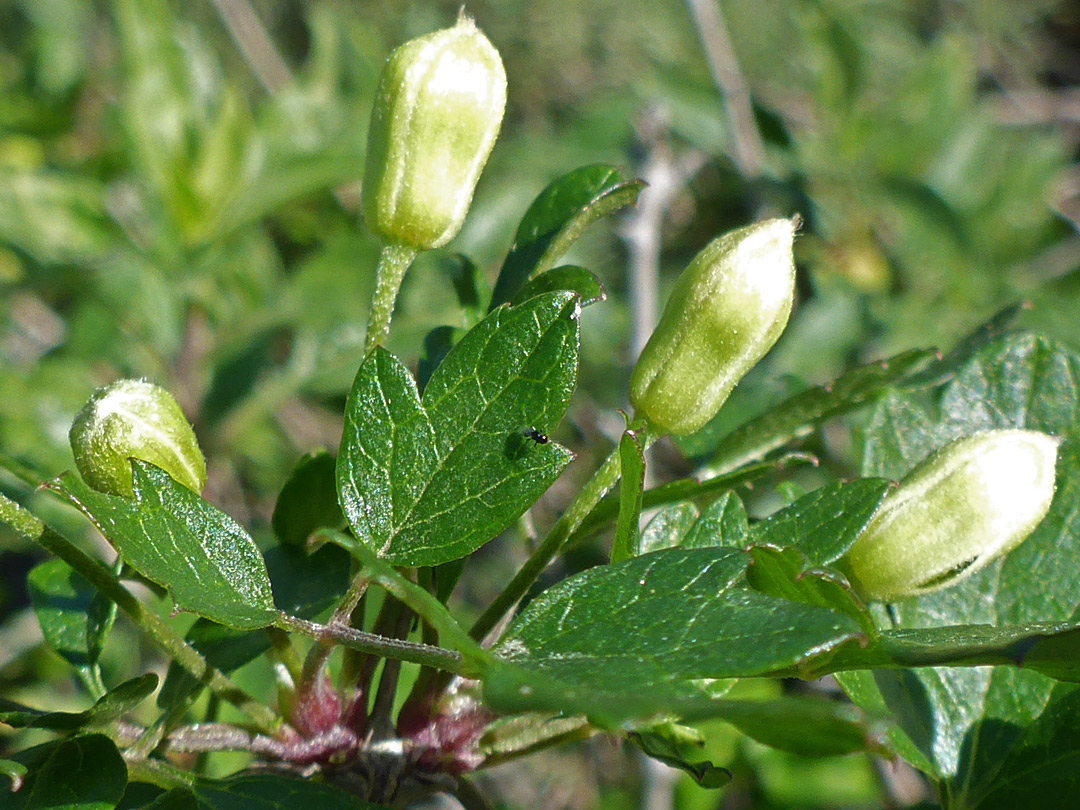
(788, 574)
(173, 537)
(304, 585)
(83, 773)
(112, 706)
(809, 727)
(308, 501)
(428, 480)
(557, 218)
(74, 617)
(262, 791)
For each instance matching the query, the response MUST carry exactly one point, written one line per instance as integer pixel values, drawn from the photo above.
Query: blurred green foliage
(178, 201)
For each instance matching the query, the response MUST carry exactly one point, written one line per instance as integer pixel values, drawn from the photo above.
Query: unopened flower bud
(437, 113)
(972, 501)
(726, 311)
(134, 419)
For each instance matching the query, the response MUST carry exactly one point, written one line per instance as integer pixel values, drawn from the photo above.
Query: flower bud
(727, 309)
(973, 500)
(134, 419)
(437, 112)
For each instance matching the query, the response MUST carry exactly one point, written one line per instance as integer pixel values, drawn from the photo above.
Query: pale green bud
(727, 310)
(972, 501)
(134, 419)
(437, 113)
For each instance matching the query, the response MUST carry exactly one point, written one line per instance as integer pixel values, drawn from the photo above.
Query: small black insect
(537, 436)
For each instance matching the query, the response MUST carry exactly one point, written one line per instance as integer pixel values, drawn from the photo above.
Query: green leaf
(809, 727)
(557, 218)
(308, 501)
(943, 370)
(686, 489)
(788, 574)
(174, 538)
(566, 277)
(631, 481)
(664, 743)
(824, 524)
(74, 617)
(981, 728)
(261, 791)
(722, 523)
(113, 705)
(628, 639)
(427, 480)
(83, 773)
(669, 527)
(799, 415)
(304, 585)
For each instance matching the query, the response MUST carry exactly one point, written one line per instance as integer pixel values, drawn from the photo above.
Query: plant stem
(379, 645)
(602, 481)
(423, 603)
(394, 260)
(98, 575)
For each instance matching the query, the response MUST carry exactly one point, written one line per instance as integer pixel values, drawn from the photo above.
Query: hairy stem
(98, 575)
(423, 654)
(393, 262)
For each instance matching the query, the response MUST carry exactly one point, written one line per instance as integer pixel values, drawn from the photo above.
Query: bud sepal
(726, 311)
(134, 419)
(438, 109)
(972, 501)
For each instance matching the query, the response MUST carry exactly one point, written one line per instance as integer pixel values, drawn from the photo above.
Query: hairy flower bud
(972, 501)
(727, 310)
(437, 113)
(134, 419)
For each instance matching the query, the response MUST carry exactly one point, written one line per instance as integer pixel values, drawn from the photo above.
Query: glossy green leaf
(721, 523)
(629, 638)
(113, 705)
(557, 218)
(74, 617)
(260, 791)
(82, 773)
(427, 480)
(824, 524)
(305, 585)
(631, 480)
(566, 277)
(308, 501)
(982, 728)
(173, 537)
(799, 415)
